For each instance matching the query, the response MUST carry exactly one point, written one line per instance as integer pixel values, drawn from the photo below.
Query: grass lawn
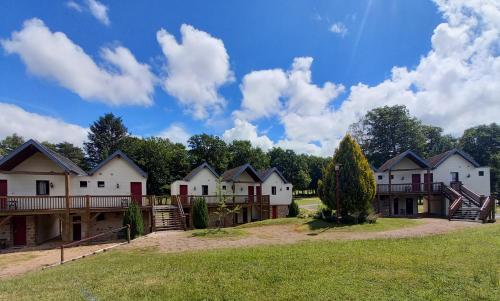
(219, 233)
(457, 266)
(308, 201)
(310, 224)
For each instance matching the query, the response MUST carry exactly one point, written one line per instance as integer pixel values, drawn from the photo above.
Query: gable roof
(31, 147)
(122, 155)
(264, 174)
(232, 174)
(439, 159)
(195, 171)
(389, 164)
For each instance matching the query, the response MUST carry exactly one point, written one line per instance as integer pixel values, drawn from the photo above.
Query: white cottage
(44, 195)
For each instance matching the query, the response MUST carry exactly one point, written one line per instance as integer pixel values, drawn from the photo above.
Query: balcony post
(67, 232)
(390, 191)
(87, 215)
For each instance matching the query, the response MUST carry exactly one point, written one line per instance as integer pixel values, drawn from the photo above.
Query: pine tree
(356, 180)
(200, 213)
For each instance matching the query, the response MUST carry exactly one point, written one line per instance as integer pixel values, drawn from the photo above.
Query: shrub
(293, 210)
(200, 213)
(372, 218)
(133, 217)
(323, 213)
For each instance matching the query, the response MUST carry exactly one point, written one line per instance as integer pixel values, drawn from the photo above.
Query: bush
(323, 213)
(133, 217)
(372, 218)
(200, 213)
(293, 210)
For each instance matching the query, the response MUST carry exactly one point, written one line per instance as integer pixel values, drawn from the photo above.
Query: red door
(258, 192)
(275, 212)
(183, 191)
(415, 182)
(250, 194)
(3, 194)
(19, 227)
(427, 182)
(136, 192)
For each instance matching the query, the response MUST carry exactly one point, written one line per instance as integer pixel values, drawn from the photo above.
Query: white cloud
(196, 68)
(99, 11)
(122, 80)
(176, 133)
(455, 85)
(339, 28)
(96, 8)
(42, 128)
(243, 130)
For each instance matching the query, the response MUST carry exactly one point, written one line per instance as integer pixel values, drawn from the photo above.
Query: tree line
(382, 133)
(166, 161)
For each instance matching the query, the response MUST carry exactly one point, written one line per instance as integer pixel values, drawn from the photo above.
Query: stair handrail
(454, 206)
(181, 212)
(474, 197)
(485, 209)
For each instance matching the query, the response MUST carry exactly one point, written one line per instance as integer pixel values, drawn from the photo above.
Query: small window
(204, 189)
(287, 188)
(273, 190)
(83, 184)
(454, 177)
(481, 173)
(392, 177)
(223, 187)
(380, 177)
(100, 184)
(42, 188)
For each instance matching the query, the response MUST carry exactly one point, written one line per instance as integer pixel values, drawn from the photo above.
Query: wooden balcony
(410, 188)
(187, 200)
(50, 204)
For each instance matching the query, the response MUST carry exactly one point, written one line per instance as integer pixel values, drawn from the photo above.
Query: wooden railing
(455, 197)
(486, 208)
(187, 200)
(470, 195)
(181, 212)
(41, 203)
(435, 187)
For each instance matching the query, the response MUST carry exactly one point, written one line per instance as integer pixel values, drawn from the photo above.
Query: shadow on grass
(218, 233)
(319, 226)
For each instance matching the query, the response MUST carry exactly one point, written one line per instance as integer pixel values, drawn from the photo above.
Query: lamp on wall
(402, 178)
(51, 185)
(194, 188)
(468, 176)
(117, 185)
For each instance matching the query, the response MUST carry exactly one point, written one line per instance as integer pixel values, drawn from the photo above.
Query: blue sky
(348, 42)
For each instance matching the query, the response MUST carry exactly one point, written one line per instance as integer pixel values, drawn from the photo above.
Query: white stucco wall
(117, 171)
(203, 177)
(402, 177)
(283, 196)
(467, 174)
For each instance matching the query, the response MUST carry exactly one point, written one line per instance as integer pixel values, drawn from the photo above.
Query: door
(245, 215)
(19, 229)
(415, 182)
(136, 192)
(250, 194)
(183, 192)
(3, 194)
(258, 192)
(275, 212)
(409, 206)
(427, 182)
(396, 206)
(77, 228)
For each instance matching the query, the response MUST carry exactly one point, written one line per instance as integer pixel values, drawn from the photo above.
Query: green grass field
(458, 266)
(219, 233)
(308, 201)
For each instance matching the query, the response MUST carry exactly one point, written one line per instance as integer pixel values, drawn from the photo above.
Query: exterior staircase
(468, 211)
(467, 205)
(168, 217)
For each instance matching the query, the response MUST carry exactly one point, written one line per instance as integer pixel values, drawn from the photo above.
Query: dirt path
(15, 262)
(178, 241)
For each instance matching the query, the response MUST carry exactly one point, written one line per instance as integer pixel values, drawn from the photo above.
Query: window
(380, 177)
(287, 188)
(42, 188)
(454, 177)
(100, 184)
(204, 189)
(83, 184)
(223, 187)
(392, 177)
(481, 173)
(273, 190)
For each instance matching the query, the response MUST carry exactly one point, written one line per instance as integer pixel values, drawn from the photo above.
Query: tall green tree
(356, 180)
(242, 151)
(483, 144)
(10, 143)
(209, 148)
(387, 131)
(315, 166)
(104, 138)
(293, 167)
(435, 141)
(163, 160)
(70, 151)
